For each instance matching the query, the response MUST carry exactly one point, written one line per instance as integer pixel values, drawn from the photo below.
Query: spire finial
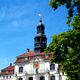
(40, 17)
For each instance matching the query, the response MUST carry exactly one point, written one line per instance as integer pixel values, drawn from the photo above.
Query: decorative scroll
(36, 65)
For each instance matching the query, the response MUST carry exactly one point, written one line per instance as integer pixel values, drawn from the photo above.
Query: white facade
(29, 72)
(7, 77)
(43, 70)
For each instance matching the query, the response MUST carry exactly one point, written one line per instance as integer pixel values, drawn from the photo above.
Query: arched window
(52, 77)
(52, 66)
(30, 78)
(20, 69)
(42, 78)
(20, 78)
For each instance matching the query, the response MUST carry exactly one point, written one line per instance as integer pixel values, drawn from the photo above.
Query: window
(52, 77)
(10, 76)
(52, 66)
(20, 78)
(42, 78)
(63, 73)
(3, 77)
(30, 78)
(6, 77)
(20, 69)
(26, 58)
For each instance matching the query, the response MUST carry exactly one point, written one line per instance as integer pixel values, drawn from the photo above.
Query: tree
(72, 6)
(66, 52)
(66, 45)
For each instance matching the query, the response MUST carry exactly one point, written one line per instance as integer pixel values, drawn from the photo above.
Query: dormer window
(26, 58)
(20, 69)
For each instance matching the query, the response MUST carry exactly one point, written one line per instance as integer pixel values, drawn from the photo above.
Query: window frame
(53, 77)
(20, 78)
(30, 78)
(42, 77)
(20, 69)
(52, 66)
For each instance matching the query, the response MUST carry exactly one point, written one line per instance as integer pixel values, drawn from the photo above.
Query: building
(7, 73)
(34, 65)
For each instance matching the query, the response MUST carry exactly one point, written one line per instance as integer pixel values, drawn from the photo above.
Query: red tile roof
(29, 56)
(9, 68)
(7, 71)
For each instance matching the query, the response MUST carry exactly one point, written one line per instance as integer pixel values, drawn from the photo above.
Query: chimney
(28, 50)
(10, 64)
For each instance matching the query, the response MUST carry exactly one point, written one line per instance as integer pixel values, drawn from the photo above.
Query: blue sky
(18, 22)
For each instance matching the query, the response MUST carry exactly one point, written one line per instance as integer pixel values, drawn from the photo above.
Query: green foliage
(72, 6)
(76, 23)
(66, 46)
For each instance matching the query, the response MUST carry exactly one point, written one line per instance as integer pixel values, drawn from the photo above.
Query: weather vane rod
(40, 17)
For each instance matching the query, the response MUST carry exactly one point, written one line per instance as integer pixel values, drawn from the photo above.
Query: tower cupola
(40, 27)
(40, 40)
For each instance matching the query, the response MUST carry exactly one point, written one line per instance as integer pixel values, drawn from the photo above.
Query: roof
(30, 55)
(27, 54)
(40, 24)
(7, 71)
(8, 68)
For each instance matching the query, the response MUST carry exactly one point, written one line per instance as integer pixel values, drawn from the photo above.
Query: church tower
(40, 40)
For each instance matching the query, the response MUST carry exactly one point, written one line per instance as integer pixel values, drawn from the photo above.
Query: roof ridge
(25, 53)
(7, 67)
